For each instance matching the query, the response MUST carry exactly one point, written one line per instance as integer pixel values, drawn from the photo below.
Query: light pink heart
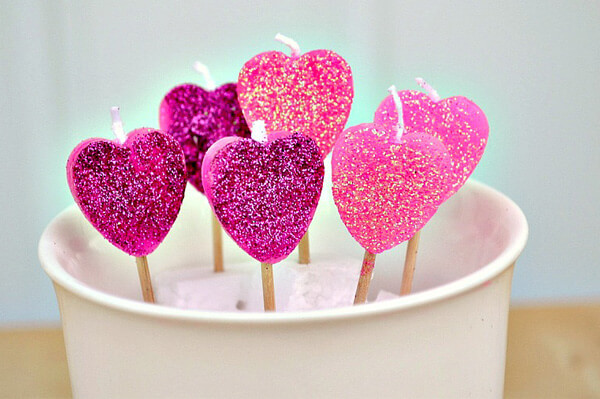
(311, 94)
(387, 189)
(457, 121)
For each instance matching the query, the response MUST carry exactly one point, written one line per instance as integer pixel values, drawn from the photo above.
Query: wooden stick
(268, 287)
(217, 232)
(146, 283)
(409, 263)
(304, 250)
(366, 273)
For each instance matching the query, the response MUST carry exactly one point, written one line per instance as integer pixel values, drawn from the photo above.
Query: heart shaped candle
(386, 189)
(311, 93)
(130, 192)
(197, 118)
(264, 194)
(457, 121)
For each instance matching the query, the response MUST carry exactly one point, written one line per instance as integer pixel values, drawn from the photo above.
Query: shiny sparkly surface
(197, 118)
(264, 195)
(386, 190)
(368, 264)
(457, 121)
(311, 94)
(131, 193)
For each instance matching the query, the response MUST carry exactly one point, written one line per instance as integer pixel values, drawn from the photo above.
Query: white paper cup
(446, 340)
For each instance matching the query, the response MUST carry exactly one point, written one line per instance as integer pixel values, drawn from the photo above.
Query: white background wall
(534, 67)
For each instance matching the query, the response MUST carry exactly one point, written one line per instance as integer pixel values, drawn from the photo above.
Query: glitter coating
(197, 118)
(311, 94)
(457, 121)
(386, 190)
(131, 193)
(264, 195)
(368, 264)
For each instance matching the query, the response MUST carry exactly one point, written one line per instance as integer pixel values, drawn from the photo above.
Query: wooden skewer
(146, 283)
(268, 287)
(304, 250)
(409, 263)
(366, 273)
(217, 232)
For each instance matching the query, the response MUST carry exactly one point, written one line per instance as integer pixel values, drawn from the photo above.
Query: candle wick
(431, 93)
(291, 43)
(117, 125)
(259, 131)
(204, 71)
(398, 103)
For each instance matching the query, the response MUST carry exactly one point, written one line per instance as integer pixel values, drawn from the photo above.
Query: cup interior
(474, 236)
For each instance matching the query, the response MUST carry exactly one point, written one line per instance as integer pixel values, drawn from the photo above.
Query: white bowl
(446, 340)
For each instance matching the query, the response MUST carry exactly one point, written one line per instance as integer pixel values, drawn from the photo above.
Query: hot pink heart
(457, 121)
(311, 94)
(264, 195)
(131, 192)
(387, 189)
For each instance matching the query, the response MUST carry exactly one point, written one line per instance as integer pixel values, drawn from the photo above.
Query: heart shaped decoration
(197, 118)
(457, 121)
(311, 94)
(387, 189)
(264, 195)
(131, 192)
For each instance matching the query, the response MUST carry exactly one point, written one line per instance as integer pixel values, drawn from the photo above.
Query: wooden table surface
(553, 352)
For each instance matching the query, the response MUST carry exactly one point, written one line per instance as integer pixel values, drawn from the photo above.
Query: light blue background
(534, 67)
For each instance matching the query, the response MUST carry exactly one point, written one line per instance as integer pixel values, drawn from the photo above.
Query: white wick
(431, 93)
(203, 69)
(291, 43)
(259, 131)
(117, 125)
(398, 103)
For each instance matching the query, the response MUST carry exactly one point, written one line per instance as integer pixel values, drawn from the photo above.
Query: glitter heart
(458, 122)
(311, 94)
(386, 190)
(197, 118)
(264, 195)
(131, 192)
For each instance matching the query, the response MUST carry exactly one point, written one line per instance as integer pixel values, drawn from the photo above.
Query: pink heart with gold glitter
(385, 188)
(311, 94)
(457, 121)
(131, 192)
(264, 195)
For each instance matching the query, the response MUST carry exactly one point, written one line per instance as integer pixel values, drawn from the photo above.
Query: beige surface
(553, 352)
(33, 364)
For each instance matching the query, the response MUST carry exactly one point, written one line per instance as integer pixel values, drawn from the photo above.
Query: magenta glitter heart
(197, 118)
(264, 195)
(131, 192)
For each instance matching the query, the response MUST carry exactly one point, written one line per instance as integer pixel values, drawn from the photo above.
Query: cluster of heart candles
(263, 183)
